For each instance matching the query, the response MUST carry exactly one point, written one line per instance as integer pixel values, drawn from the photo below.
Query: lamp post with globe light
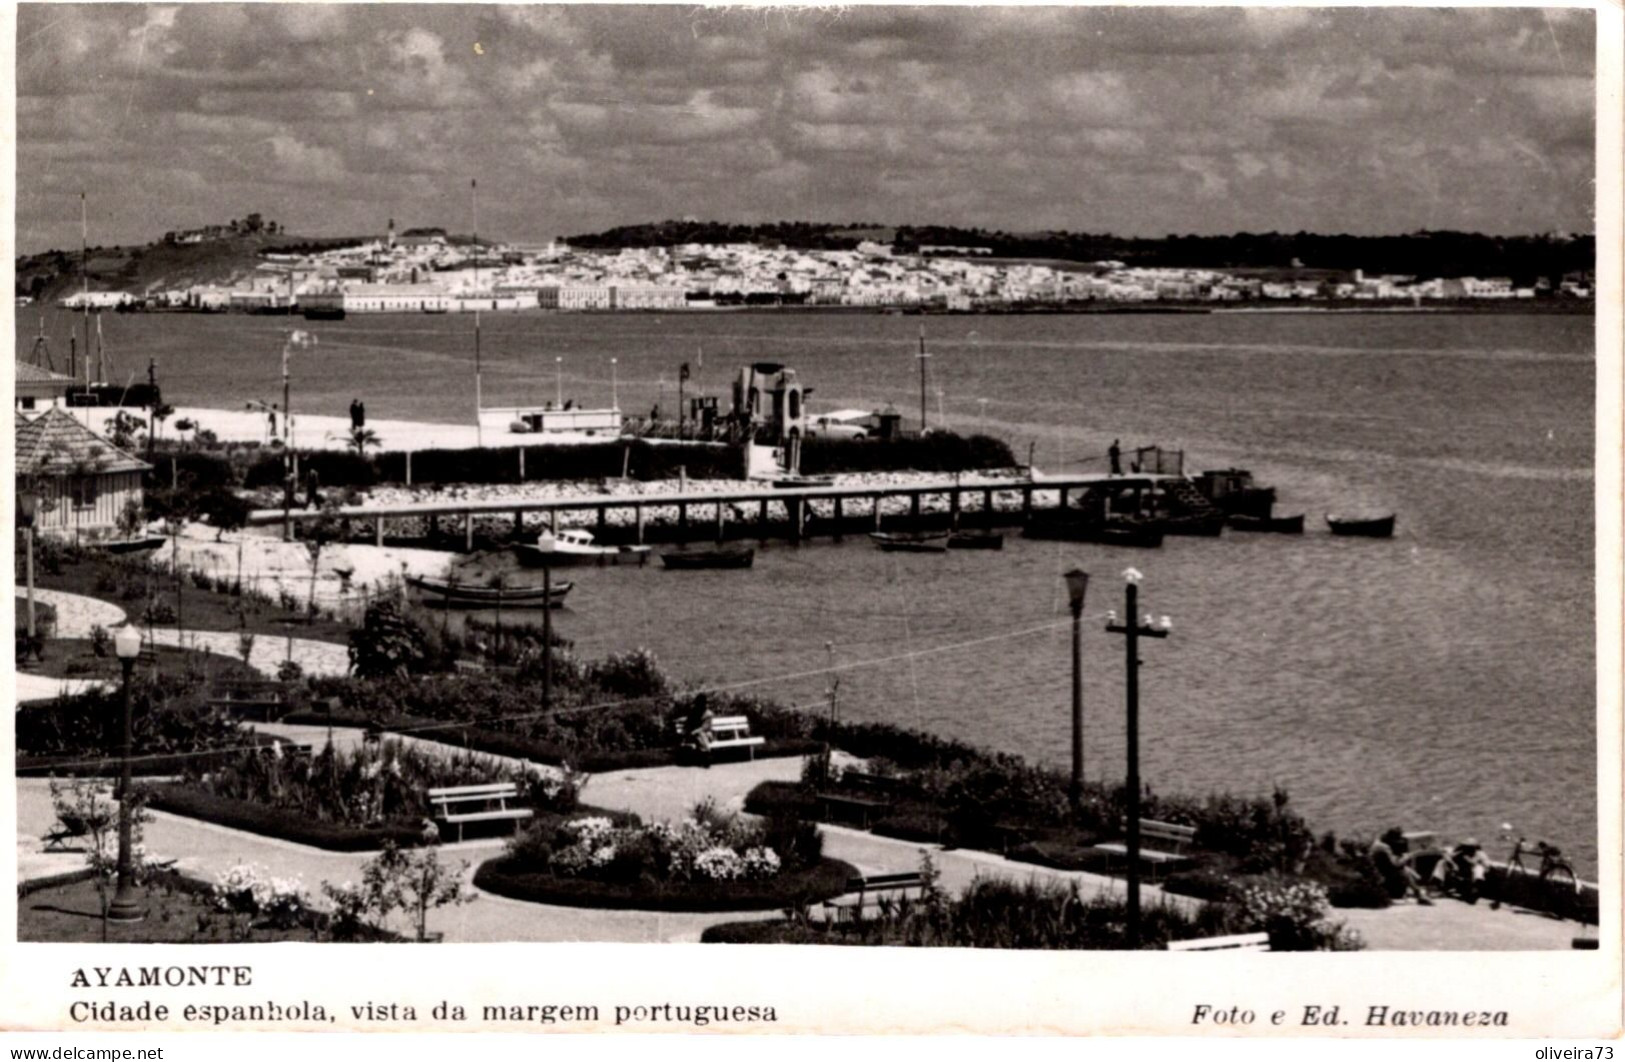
(126, 906)
(1133, 629)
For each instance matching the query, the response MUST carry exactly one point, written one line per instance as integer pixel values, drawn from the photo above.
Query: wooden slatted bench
(871, 891)
(459, 804)
(1239, 942)
(727, 732)
(1162, 844)
(875, 794)
(258, 701)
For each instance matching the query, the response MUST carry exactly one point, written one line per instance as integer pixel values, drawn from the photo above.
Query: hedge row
(820, 882)
(502, 743)
(276, 822)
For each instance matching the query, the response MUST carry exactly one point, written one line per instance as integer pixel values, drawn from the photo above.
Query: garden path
(317, 659)
(76, 614)
(45, 688)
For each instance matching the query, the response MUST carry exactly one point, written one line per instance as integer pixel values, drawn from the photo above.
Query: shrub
(388, 643)
(789, 888)
(1293, 913)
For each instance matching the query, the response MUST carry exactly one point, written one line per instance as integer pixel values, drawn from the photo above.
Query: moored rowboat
(1365, 526)
(456, 595)
(1281, 525)
(721, 557)
(975, 540)
(901, 542)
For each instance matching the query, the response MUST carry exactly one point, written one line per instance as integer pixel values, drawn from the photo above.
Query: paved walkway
(31, 687)
(322, 659)
(76, 614)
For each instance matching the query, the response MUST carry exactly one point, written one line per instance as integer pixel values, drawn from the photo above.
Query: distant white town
(422, 270)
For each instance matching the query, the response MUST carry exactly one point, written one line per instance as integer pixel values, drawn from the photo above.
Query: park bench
(727, 732)
(259, 701)
(460, 804)
(872, 890)
(1238, 942)
(873, 795)
(1162, 844)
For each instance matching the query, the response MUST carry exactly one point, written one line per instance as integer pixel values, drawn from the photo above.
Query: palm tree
(361, 438)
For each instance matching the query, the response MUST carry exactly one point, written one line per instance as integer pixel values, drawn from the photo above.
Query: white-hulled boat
(575, 547)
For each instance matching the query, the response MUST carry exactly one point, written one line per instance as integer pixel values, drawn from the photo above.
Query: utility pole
(682, 380)
(1133, 628)
(287, 450)
(547, 636)
(84, 286)
(1077, 585)
(922, 356)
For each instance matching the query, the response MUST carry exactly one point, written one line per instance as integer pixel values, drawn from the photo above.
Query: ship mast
(479, 402)
(84, 289)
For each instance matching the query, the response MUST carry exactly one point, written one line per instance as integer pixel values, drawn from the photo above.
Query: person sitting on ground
(1389, 853)
(1463, 869)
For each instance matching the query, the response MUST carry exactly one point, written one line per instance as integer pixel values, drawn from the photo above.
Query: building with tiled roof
(39, 389)
(82, 480)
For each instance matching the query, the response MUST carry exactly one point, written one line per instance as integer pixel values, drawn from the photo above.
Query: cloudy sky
(1134, 121)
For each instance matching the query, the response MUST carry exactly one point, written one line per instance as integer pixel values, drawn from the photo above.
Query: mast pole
(479, 398)
(922, 356)
(84, 285)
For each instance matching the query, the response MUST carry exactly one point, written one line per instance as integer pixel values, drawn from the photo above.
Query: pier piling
(953, 510)
(721, 520)
(637, 515)
(468, 532)
(839, 519)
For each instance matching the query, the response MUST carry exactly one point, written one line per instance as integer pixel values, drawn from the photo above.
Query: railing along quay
(794, 500)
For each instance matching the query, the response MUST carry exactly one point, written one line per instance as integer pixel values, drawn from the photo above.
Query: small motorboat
(911, 542)
(574, 548)
(466, 595)
(975, 540)
(144, 544)
(720, 557)
(1363, 526)
(1281, 525)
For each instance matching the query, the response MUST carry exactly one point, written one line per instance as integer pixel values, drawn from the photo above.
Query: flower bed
(708, 862)
(281, 823)
(825, 879)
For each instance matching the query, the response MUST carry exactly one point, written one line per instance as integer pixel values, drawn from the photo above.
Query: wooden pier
(710, 509)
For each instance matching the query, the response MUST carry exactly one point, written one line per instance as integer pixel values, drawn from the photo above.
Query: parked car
(825, 428)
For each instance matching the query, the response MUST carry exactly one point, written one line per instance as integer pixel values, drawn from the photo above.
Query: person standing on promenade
(360, 414)
(1116, 454)
(270, 416)
(355, 413)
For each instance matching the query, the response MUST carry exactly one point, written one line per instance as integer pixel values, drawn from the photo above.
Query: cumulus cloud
(330, 118)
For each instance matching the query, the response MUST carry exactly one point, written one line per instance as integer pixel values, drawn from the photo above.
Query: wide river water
(1443, 679)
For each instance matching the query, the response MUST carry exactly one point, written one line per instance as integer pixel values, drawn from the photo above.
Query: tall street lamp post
(558, 378)
(1133, 628)
(27, 509)
(614, 389)
(126, 906)
(1077, 584)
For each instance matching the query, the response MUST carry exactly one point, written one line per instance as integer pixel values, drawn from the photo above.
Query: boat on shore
(323, 313)
(575, 548)
(718, 558)
(975, 540)
(464, 595)
(144, 544)
(911, 542)
(1280, 525)
(791, 482)
(1361, 526)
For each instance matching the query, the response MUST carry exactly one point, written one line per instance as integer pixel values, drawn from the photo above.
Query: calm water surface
(1443, 679)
